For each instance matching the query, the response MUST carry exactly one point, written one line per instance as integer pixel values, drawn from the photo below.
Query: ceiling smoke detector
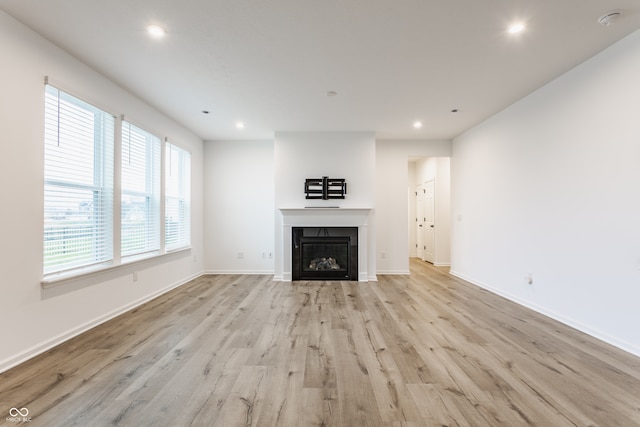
(609, 18)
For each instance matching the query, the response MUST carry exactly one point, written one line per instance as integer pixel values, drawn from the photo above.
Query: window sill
(53, 280)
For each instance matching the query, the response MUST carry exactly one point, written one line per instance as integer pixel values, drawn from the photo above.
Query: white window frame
(140, 146)
(177, 221)
(70, 245)
(108, 172)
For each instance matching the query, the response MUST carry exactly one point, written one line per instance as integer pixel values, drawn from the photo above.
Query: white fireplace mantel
(326, 217)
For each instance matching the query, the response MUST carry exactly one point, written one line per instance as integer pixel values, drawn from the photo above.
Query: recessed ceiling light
(515, 28)
(417, 124)
(156, 31)
(240, 125)
(609, 18)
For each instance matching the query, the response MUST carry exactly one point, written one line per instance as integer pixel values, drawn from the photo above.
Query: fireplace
(324, 253)
(323, 217)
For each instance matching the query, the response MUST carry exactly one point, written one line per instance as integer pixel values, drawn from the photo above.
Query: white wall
(392, 208)
(239, 211)
(443, 212)
(438, 170)
(301, 155)
(31, 318)
(239, 176)
(550, 187)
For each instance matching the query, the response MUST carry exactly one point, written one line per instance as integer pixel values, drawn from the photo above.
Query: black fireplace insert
(325, 253)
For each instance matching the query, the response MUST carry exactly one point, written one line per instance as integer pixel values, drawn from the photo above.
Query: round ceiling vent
(609, 18)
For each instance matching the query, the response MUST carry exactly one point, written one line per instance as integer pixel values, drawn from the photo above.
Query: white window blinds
(78, 173)
(140, 202)
(177, 197)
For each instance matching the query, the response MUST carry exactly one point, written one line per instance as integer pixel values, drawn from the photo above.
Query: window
(78, 188)
(82, 219)
(140, 202)
(177, 193)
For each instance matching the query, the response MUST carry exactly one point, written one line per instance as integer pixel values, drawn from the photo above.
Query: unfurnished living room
(336, 213)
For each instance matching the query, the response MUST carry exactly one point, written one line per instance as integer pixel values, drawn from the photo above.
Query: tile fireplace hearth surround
(324, 217)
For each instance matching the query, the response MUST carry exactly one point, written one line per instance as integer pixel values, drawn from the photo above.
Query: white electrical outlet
(529, 278)
(135, 276)
(240, 255)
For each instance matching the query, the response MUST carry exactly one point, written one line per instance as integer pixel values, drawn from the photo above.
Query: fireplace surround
(322, 217)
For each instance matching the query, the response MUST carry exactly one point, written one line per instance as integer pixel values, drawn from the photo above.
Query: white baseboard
(32, 352)
(394, 272)
(251, 272)
(623, 345)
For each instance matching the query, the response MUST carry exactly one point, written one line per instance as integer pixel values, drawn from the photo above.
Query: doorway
(429, 209)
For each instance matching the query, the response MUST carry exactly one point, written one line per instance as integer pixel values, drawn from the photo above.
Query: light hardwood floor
(420, 350)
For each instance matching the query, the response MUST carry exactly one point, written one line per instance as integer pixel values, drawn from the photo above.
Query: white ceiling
(270, 63)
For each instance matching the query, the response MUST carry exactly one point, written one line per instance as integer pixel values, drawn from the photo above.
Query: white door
(420, 217)
(429, 221)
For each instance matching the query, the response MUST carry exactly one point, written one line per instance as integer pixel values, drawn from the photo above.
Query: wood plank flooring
(420, 350)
